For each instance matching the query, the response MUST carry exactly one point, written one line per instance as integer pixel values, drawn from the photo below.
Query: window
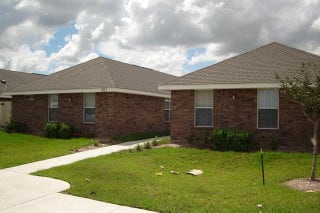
(167, 109)
(203, 108)
(28, 97)
(89, 108)
(53, 108)
(268, 104)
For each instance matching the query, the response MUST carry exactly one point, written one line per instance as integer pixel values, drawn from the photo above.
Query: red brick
(240, 113)
(116, 113)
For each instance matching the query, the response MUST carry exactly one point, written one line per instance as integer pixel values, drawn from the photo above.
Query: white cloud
(34, 4)
(151, 33)
(316, 25)
(165, 59)
(210, 54)
(2, 65)
(70, 50)
(27, 60)
(97, 32)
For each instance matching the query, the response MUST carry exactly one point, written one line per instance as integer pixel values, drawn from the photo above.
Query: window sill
(204, 127)
(268, 128)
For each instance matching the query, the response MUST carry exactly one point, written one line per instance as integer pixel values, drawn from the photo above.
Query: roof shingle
(257, 66)
(100, 73)
(15, 79)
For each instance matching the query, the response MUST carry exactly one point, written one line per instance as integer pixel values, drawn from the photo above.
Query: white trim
(128, 91)
(47, 92)
(221, 86)
(84, 109)
(278, 114)
(195, 111)
(5, 96)
(167, 109)
(136, 92)
(52, 108)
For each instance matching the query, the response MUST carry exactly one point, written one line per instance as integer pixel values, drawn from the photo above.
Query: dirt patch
(93, 146)
(168, 145)
(304, 184)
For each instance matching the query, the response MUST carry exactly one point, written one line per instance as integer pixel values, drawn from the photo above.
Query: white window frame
(29, 97)
(52, 107)
(85, 107)
(167, 109)
(278, 118)
(195, 108)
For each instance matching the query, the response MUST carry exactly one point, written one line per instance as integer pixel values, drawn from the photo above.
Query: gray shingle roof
(257, 66)
(101, 73)
(15, 79)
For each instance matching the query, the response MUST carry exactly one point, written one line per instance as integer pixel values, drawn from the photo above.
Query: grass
(231, 181)
(139, 136)
(17, 149)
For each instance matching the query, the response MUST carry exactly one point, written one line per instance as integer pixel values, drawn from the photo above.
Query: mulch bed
(304, 184)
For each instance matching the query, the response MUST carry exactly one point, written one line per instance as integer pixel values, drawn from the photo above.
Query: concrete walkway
(21, 192)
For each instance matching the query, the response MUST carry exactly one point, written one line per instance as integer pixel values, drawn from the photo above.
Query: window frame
(167, 110)
(84, 109)
(53, 108)
(195, 109)
(278, 108)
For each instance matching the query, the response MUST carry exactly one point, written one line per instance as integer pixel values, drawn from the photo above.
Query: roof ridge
(303, 51)
(228, 59)
(116, 61)
(74, 66)
(28, 73)
(108, 71)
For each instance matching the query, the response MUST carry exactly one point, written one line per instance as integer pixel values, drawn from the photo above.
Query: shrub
(148, 145)
(231, 140)
(65, 131)
(139, 148)
(155, 141)
(58, 130)
(15, 126)
(51, 130)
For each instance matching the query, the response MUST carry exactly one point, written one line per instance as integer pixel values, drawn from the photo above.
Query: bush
(231, 140)
(65, 131)
(148, 145)
(15, 126)
(58, 130)
(51, 130)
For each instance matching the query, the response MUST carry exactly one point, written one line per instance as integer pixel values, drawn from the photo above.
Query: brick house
(10, 80)
(243, 93)
(101, 96)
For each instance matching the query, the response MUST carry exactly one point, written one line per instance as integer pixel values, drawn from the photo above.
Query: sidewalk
(21, 192)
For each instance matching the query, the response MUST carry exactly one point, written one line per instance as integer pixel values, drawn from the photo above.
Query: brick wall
(116, 113)
(241, 113)
(33, 113)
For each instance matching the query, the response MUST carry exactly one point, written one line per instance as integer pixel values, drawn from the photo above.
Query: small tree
(304, 89)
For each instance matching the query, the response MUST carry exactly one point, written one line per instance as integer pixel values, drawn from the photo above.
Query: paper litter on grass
(195, 172)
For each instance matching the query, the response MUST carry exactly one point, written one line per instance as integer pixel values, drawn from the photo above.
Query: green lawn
(231, 181)
(19, 149)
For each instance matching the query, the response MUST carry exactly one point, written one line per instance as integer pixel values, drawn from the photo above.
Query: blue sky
(59, 38)
(195, 52)
(172, 36)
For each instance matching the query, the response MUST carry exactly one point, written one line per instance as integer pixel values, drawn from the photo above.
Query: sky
(171, 36)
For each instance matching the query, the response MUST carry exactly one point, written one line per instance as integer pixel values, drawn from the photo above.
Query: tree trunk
(315, 150)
